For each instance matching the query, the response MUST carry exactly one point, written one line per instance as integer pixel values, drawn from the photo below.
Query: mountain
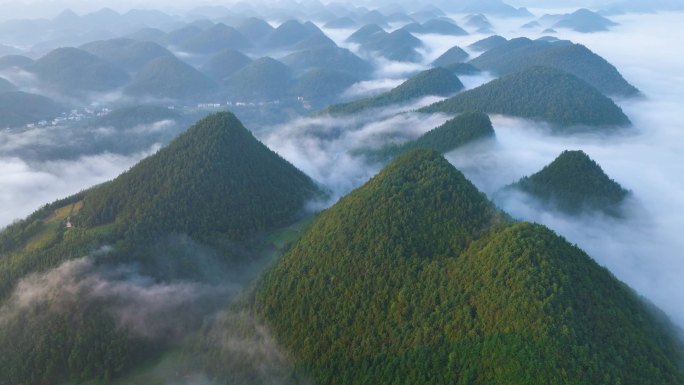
(584, 20)
(574, 183)
(478, 21)
(454, 133)
(539, 93)
(414, 28)
(488, 43)
(453, 55)
(443, 27)
(341, 23)
(415, 277)
(179, 188)
(322, 85)
(317, 40)
(127, 117)
(181, 35)
(72, 69)
(215, 39)
(215, 182)
(399, 45)
(366, 34)
(170, 78)
(19, 108)
(15, 61)
(518, 54)
(462, 69)
(225, 63)
(437, 81)
(126, 53)
(373, 17)
(333, 58)
(254, 29)
(154, 35)
(290, 33)
(264, 79)
(6, 86)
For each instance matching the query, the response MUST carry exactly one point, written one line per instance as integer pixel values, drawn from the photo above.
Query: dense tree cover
(463, 69)
(214, 178)
(215, 182)
(225, 63)
(321, 86)
(488, 43)
(59, 342)
(264, 79)
(169, 77)
(125, 53)
(539, 93)
(518, 54)
(331, 58)
(216, 39)
(453, 55)
(416, 278)
(72, 69)
(454, 133)
(573, 182)
(18, 108)
(18, 61)
(436, 81)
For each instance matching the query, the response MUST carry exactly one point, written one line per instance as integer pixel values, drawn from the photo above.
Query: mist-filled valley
(306, 192)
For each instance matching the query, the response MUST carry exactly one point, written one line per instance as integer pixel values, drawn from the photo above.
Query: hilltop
(215, 39)
(208, 192)
(225, 63)
(416, 277)
(518, 54)
(19, 108)
(539, 93)
(264, 79)
(574, 183)
(453, 55)
(436, 81)
(128, 54)
(72, 69)
(169, 77)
